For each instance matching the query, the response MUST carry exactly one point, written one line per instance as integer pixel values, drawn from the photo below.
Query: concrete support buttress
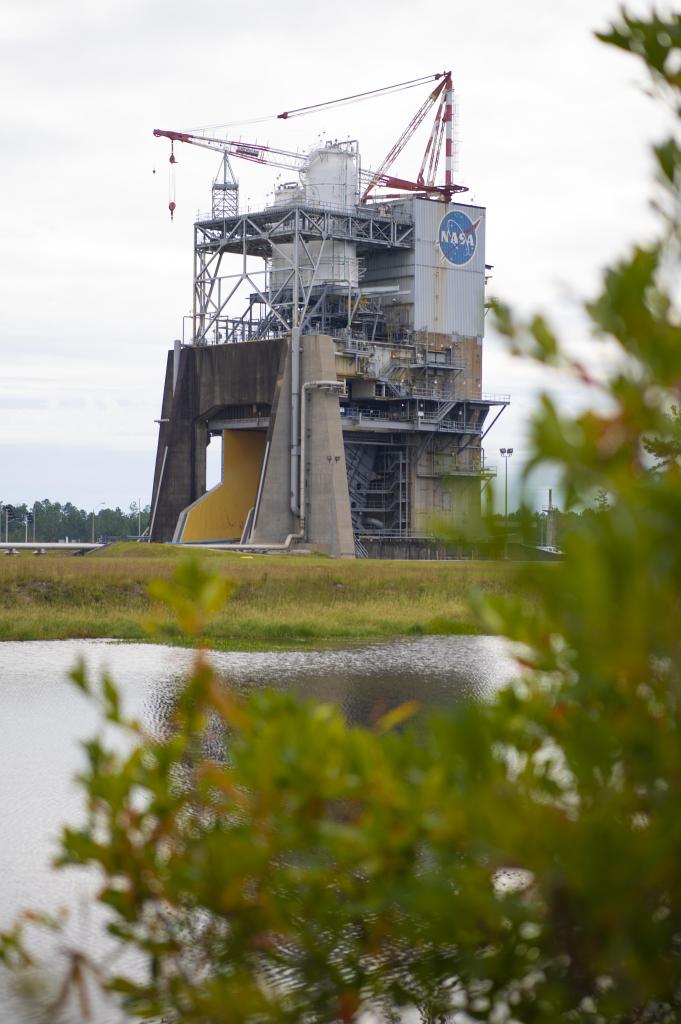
(295, 421)
(295, 377)
(326, 515)
(201, 382)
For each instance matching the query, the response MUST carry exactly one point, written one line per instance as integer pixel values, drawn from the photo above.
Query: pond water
(44, 717)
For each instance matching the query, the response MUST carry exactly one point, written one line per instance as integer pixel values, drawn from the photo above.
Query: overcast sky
(94, 279)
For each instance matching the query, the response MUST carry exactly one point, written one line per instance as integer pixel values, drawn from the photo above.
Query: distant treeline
(544, 528)
(51, 521)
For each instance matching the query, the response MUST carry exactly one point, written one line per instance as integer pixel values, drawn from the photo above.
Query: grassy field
(278, 601)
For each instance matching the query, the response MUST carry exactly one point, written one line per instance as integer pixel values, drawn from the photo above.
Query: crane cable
(171, 180)
(327, 104)
(398, 87)
(342, 101)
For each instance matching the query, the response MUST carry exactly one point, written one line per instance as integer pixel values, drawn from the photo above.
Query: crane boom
(287, 160)
(255, 152)
(404, 138)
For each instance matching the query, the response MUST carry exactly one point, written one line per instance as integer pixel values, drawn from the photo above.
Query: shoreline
(317, 644)
(258, 645)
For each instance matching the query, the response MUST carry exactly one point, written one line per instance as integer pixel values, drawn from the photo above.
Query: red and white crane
(424, 185)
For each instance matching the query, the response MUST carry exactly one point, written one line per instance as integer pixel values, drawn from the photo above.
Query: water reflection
(44, 717)
(365, 681)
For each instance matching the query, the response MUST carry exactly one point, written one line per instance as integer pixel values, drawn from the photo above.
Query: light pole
(506, 454)
(94, 513)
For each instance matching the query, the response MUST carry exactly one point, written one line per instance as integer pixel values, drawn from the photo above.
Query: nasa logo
(458, 237)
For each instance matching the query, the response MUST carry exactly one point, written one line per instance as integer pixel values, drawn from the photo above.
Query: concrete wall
(211, 382)
(210, 378)
(327, 502)
(275, 521)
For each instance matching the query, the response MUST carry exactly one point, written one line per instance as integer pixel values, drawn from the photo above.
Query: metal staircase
(359, 460)
(360, 550)
(443, 409)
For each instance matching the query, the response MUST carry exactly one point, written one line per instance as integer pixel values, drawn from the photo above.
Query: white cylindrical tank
(329, 180)
(330, 177)
(338, 264)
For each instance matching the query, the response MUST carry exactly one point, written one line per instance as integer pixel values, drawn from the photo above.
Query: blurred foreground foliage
(515, 861)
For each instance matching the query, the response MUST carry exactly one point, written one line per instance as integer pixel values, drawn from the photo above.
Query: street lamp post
(506, 454)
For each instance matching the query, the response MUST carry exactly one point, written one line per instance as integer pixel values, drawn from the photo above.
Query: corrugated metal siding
(448, 301)
(447, 298)
(427, 219)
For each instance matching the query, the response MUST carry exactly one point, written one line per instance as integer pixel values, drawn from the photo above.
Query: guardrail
(488, 396)
(71, 545)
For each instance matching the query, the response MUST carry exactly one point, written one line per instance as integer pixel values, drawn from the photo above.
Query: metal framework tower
(397, 284)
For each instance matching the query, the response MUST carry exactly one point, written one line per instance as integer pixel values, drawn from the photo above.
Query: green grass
(280, 600)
